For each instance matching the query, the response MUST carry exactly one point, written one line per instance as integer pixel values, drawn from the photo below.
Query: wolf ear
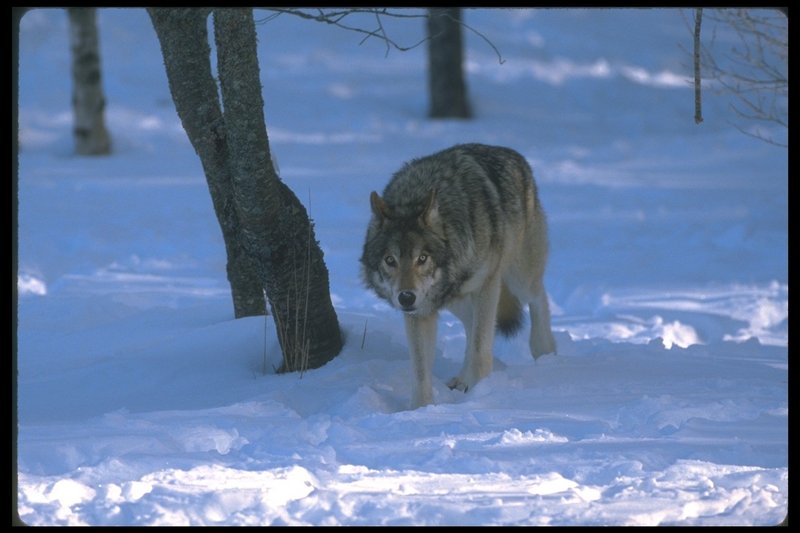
(430, 215)
(379, 207)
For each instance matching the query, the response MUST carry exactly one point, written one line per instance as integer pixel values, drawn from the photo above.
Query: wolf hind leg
(478, 312)
(541, 340)
(526, 285)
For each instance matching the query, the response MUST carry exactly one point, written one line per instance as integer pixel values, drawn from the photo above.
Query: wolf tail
(509, 313)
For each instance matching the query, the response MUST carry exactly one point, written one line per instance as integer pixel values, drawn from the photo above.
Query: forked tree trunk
(269, 228)
(447, 85)
(88, 102)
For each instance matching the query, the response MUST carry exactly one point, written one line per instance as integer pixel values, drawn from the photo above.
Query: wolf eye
(421, 259)
(390, 260)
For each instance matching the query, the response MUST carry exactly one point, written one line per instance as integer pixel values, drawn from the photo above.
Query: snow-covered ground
(141, 401)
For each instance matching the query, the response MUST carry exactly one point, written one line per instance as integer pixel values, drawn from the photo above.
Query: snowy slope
(141, 401)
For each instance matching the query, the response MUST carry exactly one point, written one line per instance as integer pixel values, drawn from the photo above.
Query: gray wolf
(463, 230)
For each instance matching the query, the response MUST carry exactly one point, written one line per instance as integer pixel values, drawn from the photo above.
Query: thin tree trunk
(447, 86)
(88, 102)
(698, 94)
(269, 228)
(184, 42)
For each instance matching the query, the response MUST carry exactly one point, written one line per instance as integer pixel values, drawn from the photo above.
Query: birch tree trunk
(88, 102)
(447, 85)
(269, 228)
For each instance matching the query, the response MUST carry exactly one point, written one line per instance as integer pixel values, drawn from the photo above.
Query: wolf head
(404, 254)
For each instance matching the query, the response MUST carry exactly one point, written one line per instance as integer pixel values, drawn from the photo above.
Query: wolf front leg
(421, 334)
(478, 312)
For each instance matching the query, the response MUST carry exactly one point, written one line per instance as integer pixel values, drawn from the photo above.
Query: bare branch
(761, 137)
(753, 70)
(485, 39)
(337, 17)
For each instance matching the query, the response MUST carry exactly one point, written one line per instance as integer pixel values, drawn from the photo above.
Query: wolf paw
(543, 345)
(457, 384)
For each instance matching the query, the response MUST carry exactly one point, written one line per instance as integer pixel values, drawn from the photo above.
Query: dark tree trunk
(271, 236)
(184, 43)
(276, 228)
(88, 102)
(448, 89)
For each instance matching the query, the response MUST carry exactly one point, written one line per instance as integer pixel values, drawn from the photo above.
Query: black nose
(406, 298)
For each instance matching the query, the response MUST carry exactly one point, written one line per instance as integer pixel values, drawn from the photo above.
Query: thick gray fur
(461, 229)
